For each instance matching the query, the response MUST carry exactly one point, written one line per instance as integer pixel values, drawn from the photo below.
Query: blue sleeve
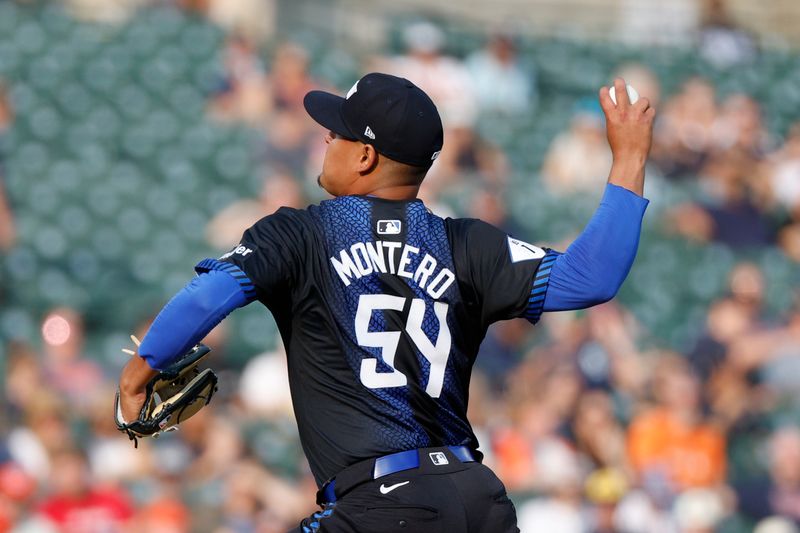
(194, 311)
(594, 266)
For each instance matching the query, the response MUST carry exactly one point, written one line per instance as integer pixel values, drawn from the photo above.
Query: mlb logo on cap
(389, 227)
(438, 458)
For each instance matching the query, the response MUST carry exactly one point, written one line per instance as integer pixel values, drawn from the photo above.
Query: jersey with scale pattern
(382, 306)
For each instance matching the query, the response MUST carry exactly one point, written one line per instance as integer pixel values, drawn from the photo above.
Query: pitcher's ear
(368, 159)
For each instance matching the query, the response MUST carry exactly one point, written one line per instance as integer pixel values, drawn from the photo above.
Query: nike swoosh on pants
(386, 490)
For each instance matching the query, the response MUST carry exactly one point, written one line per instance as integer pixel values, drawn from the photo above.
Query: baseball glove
(174, 395)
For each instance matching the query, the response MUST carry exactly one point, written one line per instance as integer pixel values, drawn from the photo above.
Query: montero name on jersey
(391, 257)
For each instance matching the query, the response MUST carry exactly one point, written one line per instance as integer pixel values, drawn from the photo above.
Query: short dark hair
(408, 174)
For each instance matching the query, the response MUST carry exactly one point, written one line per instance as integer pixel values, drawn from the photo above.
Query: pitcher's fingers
(621, 92)
(606, 103)
(642, 104)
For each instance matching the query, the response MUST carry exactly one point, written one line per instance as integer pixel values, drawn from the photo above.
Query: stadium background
(139, 137)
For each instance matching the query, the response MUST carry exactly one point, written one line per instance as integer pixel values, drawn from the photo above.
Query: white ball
(632, 94)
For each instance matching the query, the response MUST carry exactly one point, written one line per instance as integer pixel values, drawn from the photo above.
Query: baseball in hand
(632, 94)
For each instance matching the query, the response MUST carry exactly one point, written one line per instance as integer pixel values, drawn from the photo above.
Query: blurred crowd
(592, 426)
(746, 182)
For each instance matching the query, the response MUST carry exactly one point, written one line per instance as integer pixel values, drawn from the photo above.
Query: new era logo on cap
(368, 133)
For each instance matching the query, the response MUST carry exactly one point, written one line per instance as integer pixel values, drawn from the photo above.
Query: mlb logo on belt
(438, 458)
(389, 227)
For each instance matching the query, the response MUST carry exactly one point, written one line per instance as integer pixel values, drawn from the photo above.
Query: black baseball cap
(390, 113)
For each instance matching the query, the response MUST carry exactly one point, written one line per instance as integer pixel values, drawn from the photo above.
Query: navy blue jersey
(382, 307)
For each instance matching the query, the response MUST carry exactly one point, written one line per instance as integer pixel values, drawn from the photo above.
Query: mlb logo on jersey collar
(438, 458)
(389, 227)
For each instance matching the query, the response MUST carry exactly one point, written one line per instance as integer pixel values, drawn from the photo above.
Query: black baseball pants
(453, 498)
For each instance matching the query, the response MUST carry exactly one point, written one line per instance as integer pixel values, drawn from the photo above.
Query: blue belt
(397, 462)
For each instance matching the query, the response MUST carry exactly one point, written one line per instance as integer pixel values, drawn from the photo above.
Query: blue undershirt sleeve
(193, 312)
(594, 266)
